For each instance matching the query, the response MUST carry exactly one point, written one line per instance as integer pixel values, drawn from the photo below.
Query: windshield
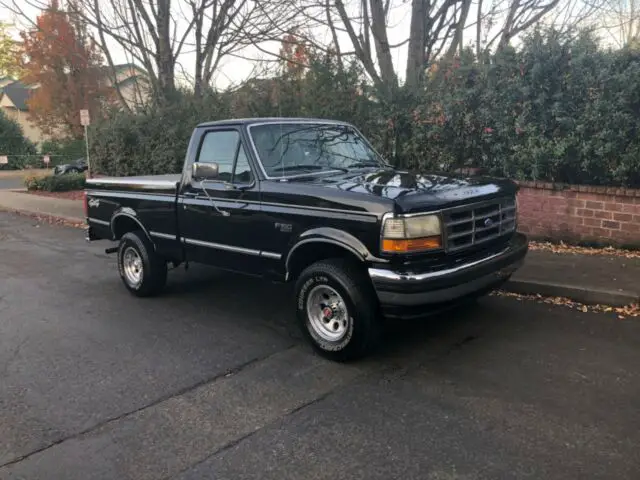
(286, 149)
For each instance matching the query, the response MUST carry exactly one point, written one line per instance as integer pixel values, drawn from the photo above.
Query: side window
(220, 147)
(242, 173)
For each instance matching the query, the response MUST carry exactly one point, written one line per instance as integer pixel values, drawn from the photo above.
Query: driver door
(218, 217)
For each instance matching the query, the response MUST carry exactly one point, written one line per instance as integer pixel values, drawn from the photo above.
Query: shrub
(558, 108)
(153, 142)
(63, 150)
(56, 183)
(19, 150)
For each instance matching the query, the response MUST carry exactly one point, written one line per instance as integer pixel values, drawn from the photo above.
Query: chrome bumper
(410, 289)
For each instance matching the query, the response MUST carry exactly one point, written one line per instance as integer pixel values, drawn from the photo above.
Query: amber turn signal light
(411, 245)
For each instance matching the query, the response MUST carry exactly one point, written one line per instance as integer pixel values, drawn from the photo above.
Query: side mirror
(204, 171)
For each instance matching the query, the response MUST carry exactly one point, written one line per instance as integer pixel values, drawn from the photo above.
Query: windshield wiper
(364, 164)
(293, 168)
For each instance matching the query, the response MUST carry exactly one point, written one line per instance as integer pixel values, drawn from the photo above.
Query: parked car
(77, 166)
(310, 202)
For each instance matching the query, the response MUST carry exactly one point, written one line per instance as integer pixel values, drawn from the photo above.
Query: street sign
(46, 159)
(4, 160)
(84, 117)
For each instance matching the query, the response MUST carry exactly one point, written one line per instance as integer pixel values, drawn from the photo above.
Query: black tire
(363, 328)
(153, 271)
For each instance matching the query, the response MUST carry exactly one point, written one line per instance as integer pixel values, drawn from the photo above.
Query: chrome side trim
(99, 222)
(220, 246)
(166, 236)
(379, 274)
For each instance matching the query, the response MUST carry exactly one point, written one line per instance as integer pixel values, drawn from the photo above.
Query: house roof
(132, 79)
(18, 93)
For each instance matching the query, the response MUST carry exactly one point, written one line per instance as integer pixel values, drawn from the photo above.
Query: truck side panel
(118, 205)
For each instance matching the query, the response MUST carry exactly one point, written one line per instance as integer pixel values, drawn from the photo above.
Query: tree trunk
(164, 56)
(417, 41)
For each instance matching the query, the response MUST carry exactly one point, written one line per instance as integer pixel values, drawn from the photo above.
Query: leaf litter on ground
(49, 219)
(563, 248)
(632, 310)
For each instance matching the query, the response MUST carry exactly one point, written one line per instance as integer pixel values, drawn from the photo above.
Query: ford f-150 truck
(309, 201)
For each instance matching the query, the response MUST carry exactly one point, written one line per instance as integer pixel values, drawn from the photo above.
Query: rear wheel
(337, 310)
(142, 271)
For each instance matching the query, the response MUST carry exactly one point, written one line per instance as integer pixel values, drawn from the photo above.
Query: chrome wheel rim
(132, 266)
(327, 313)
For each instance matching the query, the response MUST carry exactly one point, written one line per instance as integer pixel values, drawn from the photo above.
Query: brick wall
(602, 215)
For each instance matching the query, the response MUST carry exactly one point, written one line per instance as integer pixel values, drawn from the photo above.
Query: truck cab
(310, 201)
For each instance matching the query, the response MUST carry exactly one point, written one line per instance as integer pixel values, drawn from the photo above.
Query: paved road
(212, 381)
(11, 182)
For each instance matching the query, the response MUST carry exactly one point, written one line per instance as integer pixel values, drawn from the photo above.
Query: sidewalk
(590, 279)
(68, 210)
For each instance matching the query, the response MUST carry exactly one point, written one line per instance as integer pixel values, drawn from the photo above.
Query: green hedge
(56, 183)
(559, 108)
(13, 144)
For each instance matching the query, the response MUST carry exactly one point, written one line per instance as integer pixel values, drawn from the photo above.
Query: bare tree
(621, 19)
(160, 34)
(436, 31)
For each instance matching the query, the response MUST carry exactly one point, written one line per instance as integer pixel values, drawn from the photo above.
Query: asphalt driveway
(212, 380)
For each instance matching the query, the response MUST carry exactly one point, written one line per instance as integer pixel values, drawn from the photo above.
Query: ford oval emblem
(488, 222)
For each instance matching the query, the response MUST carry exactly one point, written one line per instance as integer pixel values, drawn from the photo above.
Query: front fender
(333, 236)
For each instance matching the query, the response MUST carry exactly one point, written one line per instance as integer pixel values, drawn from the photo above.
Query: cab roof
(251, 121)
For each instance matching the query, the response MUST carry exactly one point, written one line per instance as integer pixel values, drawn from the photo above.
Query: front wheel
(337, 310)
(142, 271)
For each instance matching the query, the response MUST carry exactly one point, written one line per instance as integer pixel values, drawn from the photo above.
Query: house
(13, 101)
(129, 79)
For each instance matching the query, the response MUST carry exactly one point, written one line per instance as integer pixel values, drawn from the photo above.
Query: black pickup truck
(309, 201)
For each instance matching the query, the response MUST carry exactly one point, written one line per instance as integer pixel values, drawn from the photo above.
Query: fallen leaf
(563, 248)
(632, 310)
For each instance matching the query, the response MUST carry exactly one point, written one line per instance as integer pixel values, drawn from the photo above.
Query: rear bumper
(413, 290)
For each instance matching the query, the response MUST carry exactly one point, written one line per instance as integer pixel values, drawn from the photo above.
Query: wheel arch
(124, 221)
(322, 243)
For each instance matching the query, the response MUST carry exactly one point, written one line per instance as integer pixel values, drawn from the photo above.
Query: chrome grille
(478, 223)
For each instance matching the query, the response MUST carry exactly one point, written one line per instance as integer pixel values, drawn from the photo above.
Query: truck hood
(414, 191)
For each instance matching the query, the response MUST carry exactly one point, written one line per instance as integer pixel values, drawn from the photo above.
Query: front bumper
(412, 290)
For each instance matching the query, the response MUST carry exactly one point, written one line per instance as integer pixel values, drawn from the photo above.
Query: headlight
(412, 234)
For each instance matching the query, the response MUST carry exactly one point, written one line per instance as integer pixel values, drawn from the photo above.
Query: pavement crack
(159, 400)
(247, 435)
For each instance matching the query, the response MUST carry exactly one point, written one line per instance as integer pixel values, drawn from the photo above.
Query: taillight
(85, 204)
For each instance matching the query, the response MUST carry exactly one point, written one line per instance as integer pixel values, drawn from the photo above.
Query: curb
(77, 222)
(582, 294)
